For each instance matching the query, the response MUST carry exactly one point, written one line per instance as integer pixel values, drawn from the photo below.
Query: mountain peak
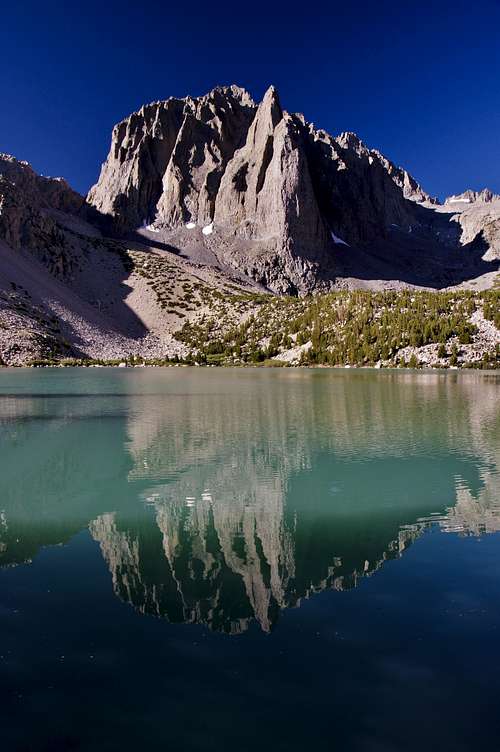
(269, 193)
(350, 140)
(270, 108)
(485, 196)
(235, 92)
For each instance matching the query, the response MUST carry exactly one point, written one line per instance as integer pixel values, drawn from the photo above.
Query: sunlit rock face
(171, 155)
(471, 197)
(274, 195)
(292, 207)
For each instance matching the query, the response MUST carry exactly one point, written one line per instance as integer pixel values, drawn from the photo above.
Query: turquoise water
(208, 559)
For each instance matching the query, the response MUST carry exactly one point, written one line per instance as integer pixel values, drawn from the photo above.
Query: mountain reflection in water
(225, 497)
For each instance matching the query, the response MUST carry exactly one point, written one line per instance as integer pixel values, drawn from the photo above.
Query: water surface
(205, 559)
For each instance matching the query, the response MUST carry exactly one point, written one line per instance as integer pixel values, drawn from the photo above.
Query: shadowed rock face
(26, 202)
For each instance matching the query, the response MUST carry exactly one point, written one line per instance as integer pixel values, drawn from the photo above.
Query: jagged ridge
(265, 190)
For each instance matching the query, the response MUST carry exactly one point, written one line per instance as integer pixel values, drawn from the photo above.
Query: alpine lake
(249, 559)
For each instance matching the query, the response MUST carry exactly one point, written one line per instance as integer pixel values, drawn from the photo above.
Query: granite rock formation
(471, 197)
(26, 200)
(266, 192)
(28, 203)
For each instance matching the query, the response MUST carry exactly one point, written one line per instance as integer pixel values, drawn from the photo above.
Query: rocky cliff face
(27, 204)
(472, 197)
(477, 214)
(265, 190)
(406, 182)
(167, 159)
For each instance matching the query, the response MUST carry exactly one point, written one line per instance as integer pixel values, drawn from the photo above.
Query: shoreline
(249, 366)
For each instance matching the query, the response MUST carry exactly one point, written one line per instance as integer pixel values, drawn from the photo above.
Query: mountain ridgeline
(203, 205)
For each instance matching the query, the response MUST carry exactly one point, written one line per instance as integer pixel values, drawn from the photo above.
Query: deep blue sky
(419, 81)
